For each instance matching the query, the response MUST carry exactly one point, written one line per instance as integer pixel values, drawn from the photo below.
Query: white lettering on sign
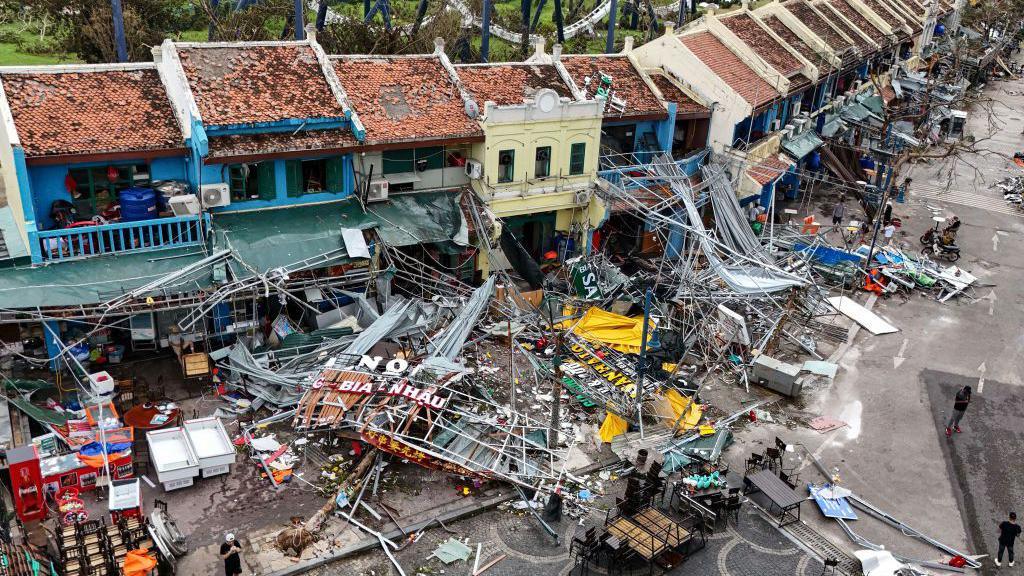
(403, 388)
(396, 366)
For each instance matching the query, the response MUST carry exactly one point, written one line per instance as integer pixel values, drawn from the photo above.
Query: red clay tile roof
(880, 8)
(684, 104)
(762, 43)
(506, 84)
(854, 16)
(798, 82)
(730, 68)
(627, 83)
(236, 145)
(797, 44)
(833, 14)
(821, 27)
(260, 83)
(768, 169)
(405, 98)
(91, 112)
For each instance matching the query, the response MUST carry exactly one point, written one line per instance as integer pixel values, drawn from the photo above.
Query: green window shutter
(265, 180)
(293, 177)
(398, 161)
(335, 174)
(433, 155)
(577, 158)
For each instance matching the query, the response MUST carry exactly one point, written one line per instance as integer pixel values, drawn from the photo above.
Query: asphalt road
(985, 458)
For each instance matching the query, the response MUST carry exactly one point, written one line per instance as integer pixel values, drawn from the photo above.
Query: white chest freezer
(211, 445)
(172, 455)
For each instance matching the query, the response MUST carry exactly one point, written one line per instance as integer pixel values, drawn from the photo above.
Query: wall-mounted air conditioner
(378, 190)
(474, 169)
(185, 205)
(214, 195)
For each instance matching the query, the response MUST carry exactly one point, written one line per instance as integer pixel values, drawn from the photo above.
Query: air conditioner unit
(185, 205)
(378, 190)
(214, 195)
(474, 169)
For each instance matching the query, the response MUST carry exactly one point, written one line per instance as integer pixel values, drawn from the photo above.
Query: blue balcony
(86, 241)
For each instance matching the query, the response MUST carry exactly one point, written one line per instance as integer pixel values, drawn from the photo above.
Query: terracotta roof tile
(797, 44)
(265, 143)
(880, 8)
(506, 84)
(258, 83)
(730, 68)
(627, 83)
(819, 25)
(91, 112)
(768, 169)
(405, 98)
(857, 19)
(684, 104)
(832, 13)
(762, 43)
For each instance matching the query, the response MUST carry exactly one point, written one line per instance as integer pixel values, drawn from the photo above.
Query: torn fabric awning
(267, 240)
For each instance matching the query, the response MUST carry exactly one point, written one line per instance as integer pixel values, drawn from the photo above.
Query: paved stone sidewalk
(750, 547)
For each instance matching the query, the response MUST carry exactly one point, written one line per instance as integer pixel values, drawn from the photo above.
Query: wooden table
(655, 522)
(141, 417)
(641, 541)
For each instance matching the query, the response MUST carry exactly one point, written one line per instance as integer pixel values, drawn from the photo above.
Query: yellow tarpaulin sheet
(682, 405)
(612, 427)
(621, 333)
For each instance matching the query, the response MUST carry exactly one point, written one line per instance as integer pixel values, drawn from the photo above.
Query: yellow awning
(612, 427)
(621, 333)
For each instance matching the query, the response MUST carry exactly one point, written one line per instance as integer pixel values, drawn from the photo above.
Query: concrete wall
(448, 177)
(523, 129)
(218, 174)
(47, 182)
(728, 108)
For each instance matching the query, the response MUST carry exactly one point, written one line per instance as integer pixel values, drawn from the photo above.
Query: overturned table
(781, 496)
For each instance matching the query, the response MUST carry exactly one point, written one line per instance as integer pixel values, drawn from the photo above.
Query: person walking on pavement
(1009, 530)
(229, 553)
(963, 398)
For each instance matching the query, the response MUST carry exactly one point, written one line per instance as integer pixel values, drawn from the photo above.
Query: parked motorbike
(950, 252)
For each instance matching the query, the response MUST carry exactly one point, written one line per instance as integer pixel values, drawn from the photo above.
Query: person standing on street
(838, 212)
(1009, 530)
(889, 231)
(963, 398)
(229, 553)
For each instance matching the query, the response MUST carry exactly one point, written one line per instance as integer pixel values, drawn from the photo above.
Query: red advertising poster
(407, 452)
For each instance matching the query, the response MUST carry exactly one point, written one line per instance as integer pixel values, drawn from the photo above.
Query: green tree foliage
(89, 25)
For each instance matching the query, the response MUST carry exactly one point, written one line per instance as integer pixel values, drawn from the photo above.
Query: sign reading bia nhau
(357, 381)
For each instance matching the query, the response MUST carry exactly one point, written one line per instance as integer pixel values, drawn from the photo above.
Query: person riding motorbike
(949, 232)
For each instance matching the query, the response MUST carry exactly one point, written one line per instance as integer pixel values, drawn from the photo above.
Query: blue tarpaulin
(827, 255)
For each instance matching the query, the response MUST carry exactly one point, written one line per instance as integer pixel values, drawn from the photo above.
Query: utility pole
(641, 365)
(556, 385)
(119, 41)
(609, 46)
(884, 185)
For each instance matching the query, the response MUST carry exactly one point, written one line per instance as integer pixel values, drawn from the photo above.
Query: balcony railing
(87, 241)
